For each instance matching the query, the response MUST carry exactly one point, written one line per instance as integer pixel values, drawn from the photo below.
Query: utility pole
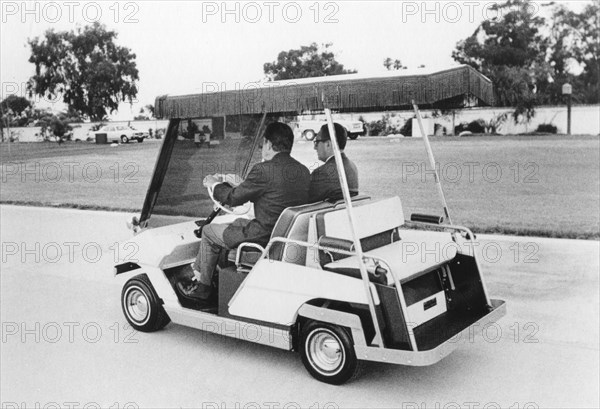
(567, 90)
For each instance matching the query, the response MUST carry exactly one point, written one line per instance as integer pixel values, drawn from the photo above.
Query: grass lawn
(526, 185)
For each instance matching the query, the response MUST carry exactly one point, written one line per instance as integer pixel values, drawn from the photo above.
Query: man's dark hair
(280, 135)
(340, 134)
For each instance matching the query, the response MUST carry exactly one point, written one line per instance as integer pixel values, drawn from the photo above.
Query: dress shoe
(186, 286)
(198, 291)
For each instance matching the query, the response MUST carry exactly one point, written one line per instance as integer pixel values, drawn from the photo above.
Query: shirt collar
(341, 153)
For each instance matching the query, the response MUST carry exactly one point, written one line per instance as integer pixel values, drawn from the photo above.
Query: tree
(574, 46)
(14, 112)
(57, 124)
(150, 109)
(390, 64)
(308, 61)
(529, 60)
(86, 67)
(511, 52)
(146, 113)
(16, 104)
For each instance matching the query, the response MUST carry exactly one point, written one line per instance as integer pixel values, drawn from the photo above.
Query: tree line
(528, 58)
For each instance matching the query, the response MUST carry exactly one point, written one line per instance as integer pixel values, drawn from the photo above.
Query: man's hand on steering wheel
(211, 181)
(232, 179)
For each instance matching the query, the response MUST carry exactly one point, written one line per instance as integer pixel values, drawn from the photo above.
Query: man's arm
(248, 191)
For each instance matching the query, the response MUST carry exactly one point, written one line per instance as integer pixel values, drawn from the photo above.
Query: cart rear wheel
(141, 306)
(328, 353)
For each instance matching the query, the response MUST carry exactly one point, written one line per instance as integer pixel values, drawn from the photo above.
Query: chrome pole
(378, 340)
(432, 163)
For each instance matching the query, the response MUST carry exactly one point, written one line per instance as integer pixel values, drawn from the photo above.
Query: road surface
(65, 342)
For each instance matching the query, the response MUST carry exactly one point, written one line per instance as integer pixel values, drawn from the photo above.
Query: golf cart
(335, 282)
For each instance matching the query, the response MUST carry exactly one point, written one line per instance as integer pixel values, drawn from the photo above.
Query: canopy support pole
(254, 143)
(378, 340)
(432, 163)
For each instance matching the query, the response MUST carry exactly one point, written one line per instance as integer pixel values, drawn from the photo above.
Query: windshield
(201, 147)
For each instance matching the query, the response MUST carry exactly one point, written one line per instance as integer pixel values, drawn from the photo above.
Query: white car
(309, 129)
(122, 133)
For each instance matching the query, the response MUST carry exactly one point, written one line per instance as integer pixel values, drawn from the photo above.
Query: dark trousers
(211, 245)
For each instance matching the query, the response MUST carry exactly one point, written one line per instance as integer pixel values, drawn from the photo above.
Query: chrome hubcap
(325, 352)
(137, 305)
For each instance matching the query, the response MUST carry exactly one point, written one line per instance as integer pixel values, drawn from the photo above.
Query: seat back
(376, 225)
(294, 224)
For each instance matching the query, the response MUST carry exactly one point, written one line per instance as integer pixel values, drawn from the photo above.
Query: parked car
(121, 133)
(309, 129)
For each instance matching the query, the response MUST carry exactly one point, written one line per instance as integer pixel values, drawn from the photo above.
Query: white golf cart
(335, 282)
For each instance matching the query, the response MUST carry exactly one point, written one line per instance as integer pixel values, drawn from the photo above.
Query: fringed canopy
(450, 88)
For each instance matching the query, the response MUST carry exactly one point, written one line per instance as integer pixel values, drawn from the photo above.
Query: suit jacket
(325, 182)
(272, 186)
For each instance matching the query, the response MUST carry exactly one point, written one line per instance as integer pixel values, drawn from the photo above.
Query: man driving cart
(278, 182)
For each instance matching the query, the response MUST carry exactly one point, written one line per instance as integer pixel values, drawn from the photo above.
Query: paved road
(65, 343)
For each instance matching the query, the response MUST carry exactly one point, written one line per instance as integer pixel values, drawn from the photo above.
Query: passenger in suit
(278, 182)
(324, 181)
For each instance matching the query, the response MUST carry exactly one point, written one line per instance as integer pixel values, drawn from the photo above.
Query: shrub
(387, 125)
(96, 127)
(477, 126)
(375, 128)
(546, 128)
(406, 129)
(439, 129)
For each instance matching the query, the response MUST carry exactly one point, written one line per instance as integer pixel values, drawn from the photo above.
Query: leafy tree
(57, 124)
(14, 112)
(575, 46)
(146, 113)
(529, 59)
(308, 61)
(86, 67)
(16, 104)
(390, 64)
(511, 51)
(150, 109)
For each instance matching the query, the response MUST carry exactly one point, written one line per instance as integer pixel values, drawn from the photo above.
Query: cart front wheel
(328, 353)
(141, 305)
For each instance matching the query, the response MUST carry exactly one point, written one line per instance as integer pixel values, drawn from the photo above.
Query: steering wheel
(238, 210)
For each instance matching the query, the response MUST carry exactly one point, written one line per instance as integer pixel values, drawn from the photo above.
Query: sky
(186, 47)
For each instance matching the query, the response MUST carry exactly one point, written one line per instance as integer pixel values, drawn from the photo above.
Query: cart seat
(292, 224)
(248, 257)
(422, 253)
(376, 226)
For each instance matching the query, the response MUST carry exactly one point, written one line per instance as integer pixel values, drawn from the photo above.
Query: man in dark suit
(278, 182)
(324, 181)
